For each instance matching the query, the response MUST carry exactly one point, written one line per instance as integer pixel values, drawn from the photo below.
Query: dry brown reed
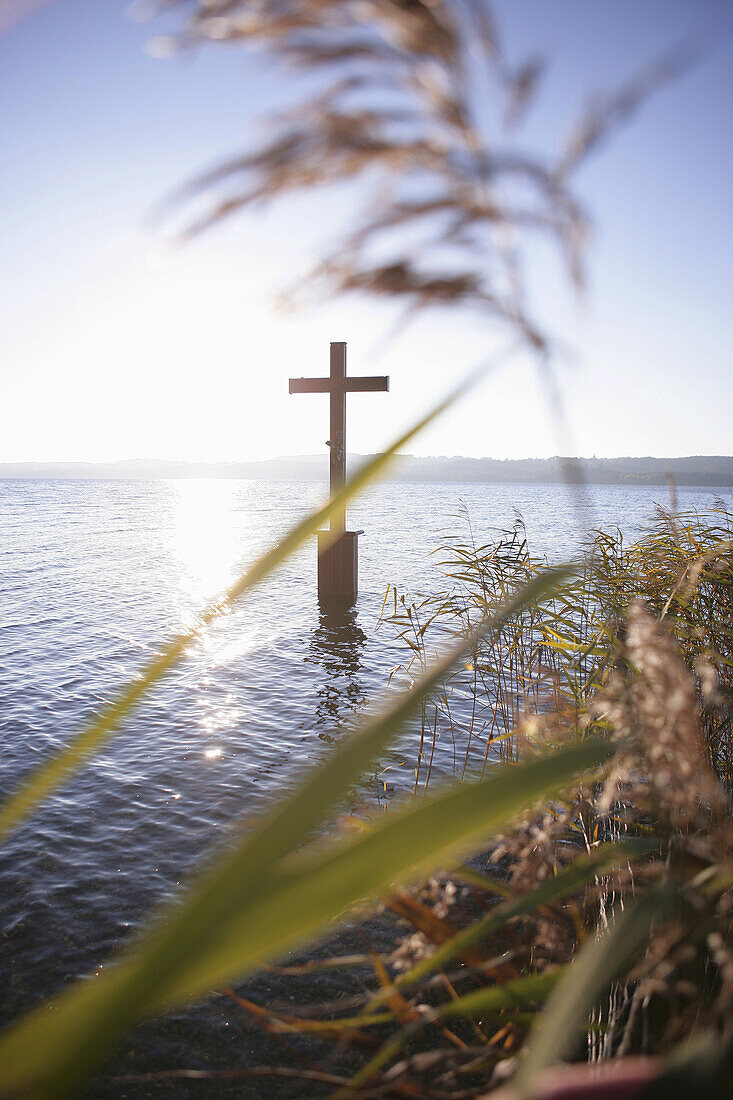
(392, 95)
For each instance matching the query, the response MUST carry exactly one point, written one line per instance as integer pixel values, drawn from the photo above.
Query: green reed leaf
(296, 903)
(518, 993)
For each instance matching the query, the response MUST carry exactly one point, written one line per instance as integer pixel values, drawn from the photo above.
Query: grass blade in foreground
(44, 779)
(302, 900)
(51, 1051)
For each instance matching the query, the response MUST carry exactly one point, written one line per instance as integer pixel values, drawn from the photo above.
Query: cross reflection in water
(336, 645)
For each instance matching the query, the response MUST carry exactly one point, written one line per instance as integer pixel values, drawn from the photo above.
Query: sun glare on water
(212, 544)
(206, 546)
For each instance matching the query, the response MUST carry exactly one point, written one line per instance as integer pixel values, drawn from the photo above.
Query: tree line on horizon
(700, 470)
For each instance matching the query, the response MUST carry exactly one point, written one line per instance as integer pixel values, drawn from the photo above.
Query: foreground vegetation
(600, 927)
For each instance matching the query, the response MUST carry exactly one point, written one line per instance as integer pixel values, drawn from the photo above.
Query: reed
(552, 659)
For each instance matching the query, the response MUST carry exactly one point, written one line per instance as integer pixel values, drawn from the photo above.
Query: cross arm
(368, 384)
(310, 385)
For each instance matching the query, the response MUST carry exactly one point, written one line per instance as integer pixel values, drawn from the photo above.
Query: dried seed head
(652, 707)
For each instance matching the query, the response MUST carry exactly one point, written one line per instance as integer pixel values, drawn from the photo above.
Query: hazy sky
(114, 346)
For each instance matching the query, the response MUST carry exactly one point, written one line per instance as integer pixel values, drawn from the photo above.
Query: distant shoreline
(714, 471)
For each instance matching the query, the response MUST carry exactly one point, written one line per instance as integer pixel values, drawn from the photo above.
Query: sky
(114, 345)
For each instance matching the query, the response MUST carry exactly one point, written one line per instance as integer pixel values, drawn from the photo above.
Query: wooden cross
(338, 385)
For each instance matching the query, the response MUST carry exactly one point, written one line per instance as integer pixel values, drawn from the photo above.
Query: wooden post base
(338, 566)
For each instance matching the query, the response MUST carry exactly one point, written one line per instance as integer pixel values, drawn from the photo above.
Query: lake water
(95, 574)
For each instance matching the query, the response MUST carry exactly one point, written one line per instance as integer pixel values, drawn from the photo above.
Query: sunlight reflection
(205, 537)
(212, 544)
(216, 716)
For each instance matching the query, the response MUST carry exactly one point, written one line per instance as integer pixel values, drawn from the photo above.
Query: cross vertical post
(337, 548)
(337, 441)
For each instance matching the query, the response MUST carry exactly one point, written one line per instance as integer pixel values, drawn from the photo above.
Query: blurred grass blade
(414, 841)
(599, 961)
(47, 777)
(87, 1019)
(497, 998)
